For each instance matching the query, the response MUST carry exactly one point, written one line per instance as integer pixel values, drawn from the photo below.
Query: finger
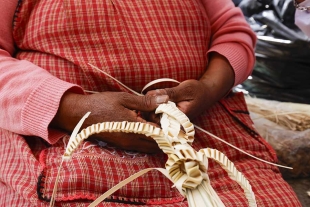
(143, 103)
(175, 93)
(183, 92)
(147, 146)
(136, 142)
(157, 92)
(140, 145)
(140, 119)
(151, 118)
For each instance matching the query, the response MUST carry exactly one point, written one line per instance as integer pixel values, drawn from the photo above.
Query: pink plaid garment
(136, 42)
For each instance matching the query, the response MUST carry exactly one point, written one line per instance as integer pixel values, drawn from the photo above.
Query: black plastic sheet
(282, 69)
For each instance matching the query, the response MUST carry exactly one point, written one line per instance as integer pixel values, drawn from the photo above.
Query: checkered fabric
(135, 41)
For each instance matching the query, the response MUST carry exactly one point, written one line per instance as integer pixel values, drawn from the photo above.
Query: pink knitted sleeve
(29, 95)
(231, 36)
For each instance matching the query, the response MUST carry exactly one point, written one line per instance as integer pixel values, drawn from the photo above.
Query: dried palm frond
(185, 167)
(293, 116)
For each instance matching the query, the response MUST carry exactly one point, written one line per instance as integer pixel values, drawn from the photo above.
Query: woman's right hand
(109, 107)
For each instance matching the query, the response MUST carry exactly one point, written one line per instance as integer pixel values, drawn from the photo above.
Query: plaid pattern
(124, 38)
(94, 167)
(136, 42)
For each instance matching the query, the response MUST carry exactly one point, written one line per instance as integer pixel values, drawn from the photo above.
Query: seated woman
(47, 85)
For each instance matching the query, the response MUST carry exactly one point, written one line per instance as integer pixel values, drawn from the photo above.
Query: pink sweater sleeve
(29, 95)
(231, 37)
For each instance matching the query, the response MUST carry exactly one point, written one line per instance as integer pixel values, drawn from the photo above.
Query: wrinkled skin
(108, 107)
(191, 96)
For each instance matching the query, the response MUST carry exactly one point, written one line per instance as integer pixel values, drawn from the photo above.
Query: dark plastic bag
(282, 69)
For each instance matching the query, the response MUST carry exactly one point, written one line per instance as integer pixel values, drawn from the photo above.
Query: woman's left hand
(192, 97)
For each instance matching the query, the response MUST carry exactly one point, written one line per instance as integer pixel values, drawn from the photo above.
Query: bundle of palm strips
(293, 116)
(286, 127)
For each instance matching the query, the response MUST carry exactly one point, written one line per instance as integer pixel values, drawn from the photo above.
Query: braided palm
(185, 167)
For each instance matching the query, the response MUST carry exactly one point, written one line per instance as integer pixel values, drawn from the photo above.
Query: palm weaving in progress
(185, 167)
(46, 52)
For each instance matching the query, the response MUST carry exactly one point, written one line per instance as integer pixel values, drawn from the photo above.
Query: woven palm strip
(185, 167)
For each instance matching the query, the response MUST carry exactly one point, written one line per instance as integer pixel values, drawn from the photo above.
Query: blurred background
(278, 91)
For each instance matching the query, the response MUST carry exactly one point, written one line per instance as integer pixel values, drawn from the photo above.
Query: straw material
(185, 167)
(293, 116)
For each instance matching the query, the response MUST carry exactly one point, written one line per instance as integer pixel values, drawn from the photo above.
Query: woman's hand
(190, 96)
(109, 107)
(195, 96)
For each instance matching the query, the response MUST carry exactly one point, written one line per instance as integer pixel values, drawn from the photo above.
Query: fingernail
(161, 99)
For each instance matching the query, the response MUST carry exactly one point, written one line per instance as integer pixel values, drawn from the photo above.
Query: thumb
(175, 94)
(145, 103)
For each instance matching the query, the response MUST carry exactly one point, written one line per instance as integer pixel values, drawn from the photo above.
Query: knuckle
(147, 100)
(161, 91)
(189, 89)
(171, 92)
(125, 97)
(125, 145)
